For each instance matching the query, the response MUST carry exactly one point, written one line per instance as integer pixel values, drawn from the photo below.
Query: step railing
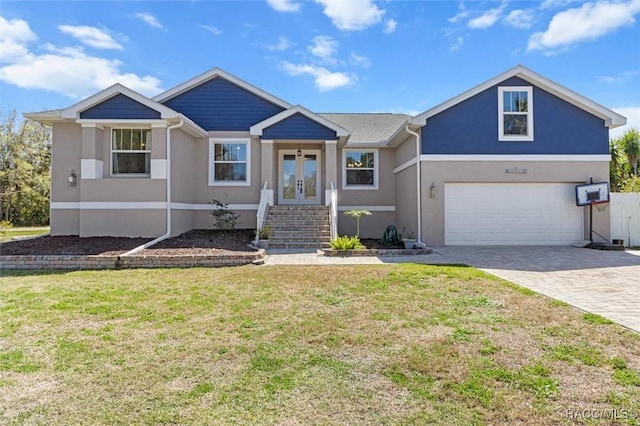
(333, 212)
(261, 216)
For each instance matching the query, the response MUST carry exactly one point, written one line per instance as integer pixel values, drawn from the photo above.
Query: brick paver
(602, 282)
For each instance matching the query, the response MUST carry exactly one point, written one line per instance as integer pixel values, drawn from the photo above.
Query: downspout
(418, 183)
(168, 179)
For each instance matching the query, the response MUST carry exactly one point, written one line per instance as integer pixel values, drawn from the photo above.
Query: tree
(357, 214)
(630, 146)
(25, 158)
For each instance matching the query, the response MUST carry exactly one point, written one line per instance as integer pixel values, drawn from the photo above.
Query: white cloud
(352, 15)
(285, 5)
(389, 26)
(462, 14)
(68, 70)
(149, 19)
(324, 47)
(487, 19)
(91, 36)
(360, 60)
(283, 44)
(14, 35)
(520, 18)
(633, 120)
(587, 22)
(620, 78)
(325, 80)
(213, 30)
(456, 44)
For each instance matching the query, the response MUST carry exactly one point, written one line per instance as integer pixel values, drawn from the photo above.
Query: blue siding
(298, 127)
(471, 127)
(120, 106)
(218, 104)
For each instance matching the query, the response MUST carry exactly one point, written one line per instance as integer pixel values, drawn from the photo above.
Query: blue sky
(327, 55)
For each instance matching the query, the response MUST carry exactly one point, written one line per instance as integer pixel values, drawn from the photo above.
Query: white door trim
(300, 195)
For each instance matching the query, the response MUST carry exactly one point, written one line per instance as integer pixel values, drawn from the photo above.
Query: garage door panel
(512, 214)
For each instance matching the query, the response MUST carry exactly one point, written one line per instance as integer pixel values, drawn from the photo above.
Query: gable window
(515, 113)
(229, 162)
(360, 169)
(130, 151)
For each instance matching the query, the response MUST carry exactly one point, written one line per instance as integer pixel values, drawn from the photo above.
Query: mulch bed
(196, 242)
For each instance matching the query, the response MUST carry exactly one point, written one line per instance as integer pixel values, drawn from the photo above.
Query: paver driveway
(602, 282)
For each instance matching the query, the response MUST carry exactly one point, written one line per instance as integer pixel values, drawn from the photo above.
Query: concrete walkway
(602, 282)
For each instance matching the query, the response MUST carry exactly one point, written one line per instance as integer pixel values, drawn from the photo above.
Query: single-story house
(497, 164)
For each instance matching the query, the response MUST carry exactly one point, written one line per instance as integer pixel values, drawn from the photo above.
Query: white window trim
(376, 168)
(212, 176)
(529, 135)
(112, 151)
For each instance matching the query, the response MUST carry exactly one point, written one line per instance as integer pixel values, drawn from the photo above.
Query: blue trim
(218, 104)
(298, 126)
(120, 107)
(471, 127)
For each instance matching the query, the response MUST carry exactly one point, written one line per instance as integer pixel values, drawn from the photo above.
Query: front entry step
(299, 226)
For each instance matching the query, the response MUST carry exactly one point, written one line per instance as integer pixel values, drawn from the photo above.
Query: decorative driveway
(602, 282)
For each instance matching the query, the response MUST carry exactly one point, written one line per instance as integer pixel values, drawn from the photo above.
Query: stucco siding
(66, 152)
(383, 196)
(298, 127)
(203, 219)
(184, 170)
(405, 151)
(120, 107)
(221, 105)
(441, 172)
(370, 226)
(123, 190)
(406, 200)
(123, 223)
(471, 127)
(64, 222)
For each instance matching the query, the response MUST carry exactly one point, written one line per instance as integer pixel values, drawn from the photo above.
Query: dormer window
(515, 113)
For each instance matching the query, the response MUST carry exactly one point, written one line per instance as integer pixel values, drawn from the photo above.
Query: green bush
(346, 243)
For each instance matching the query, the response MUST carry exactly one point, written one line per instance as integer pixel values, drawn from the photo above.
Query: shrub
(224, 218)
(347, 243)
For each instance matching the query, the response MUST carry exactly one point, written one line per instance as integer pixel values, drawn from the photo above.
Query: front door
(299, 177)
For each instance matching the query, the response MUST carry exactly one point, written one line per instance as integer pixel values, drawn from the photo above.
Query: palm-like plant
(357, 214)
(630, 146)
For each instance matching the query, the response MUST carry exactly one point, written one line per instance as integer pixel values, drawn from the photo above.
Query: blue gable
(298, 127)
(120, 107)
(471, 127)
(218, 104)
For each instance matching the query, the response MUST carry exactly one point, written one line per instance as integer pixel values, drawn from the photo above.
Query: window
(229, 162)
(515, 113)
(360, 169)
(130, 151)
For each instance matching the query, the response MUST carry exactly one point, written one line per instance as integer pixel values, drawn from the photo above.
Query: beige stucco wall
(370, 226)
(405, 151)
(441, 172)
(122, 223)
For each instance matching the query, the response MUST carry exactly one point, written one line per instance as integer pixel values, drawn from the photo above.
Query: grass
(8, 234)
(390, 344)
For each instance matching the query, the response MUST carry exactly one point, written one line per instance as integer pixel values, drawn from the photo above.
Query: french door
(299, 177)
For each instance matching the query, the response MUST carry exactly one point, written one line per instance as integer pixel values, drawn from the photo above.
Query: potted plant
(410, 240)
(264, 234)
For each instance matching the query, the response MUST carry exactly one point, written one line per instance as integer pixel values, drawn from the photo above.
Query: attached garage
(512, 214)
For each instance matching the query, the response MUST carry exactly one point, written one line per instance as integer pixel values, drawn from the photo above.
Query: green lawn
(8, 234)
(391, 344)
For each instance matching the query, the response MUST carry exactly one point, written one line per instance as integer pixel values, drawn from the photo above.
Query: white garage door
(512, 214)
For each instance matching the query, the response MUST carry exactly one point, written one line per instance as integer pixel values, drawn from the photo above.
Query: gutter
(419, 185)
(168, 226)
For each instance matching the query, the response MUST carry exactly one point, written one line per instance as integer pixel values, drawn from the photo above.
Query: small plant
(346, 243)
(265, 232)
(357, 214)
(225, 219)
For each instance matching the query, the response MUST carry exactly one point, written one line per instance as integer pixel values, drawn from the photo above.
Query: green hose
(390, 236)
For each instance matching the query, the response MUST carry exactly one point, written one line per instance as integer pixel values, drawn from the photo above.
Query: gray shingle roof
(369, 128)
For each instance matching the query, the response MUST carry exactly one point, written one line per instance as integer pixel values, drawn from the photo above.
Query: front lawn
(6, 234)
(390, 344)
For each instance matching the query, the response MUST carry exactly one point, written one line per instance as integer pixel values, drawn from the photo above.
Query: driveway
(602, 282)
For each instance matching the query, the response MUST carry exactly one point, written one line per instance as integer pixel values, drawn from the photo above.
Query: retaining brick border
(376, 252)
(96, 262)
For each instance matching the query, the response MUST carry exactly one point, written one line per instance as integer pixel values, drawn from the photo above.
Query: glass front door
(299, 181)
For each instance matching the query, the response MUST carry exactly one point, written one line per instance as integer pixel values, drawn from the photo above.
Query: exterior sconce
(432, 190)
(73, 179)
(299, 153)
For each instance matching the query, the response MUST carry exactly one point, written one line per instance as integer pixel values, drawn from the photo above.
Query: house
(497, 164)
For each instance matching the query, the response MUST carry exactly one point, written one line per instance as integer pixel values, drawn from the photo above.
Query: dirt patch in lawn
(194, 242)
